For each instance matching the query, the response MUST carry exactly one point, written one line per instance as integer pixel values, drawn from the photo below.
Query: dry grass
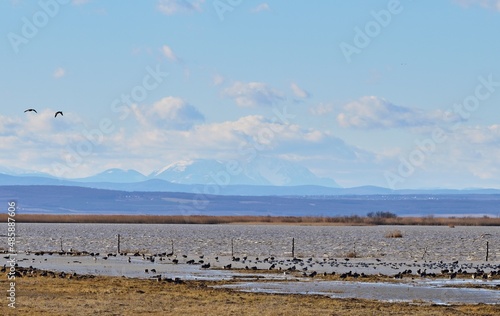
(120, 296)
(394, 234)
(200, 219)
(351, 254)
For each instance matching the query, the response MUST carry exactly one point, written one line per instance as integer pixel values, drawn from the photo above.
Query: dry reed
(351, 254)
(394, 234)
(304, 220)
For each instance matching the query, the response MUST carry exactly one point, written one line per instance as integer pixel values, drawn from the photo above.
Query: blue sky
(401, 94)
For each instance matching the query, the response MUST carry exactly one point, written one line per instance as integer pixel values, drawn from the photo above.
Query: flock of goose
(311, 267)
(346, 268)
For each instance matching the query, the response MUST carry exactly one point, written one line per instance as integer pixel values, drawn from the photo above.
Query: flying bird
(30, 110)
(59, 112)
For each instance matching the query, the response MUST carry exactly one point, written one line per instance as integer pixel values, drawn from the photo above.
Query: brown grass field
(286, 220)
(37, 295)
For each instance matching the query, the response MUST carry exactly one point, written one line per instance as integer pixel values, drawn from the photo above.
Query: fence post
(487, 250)
(61, 245)
(118, 246)
(232, 247)
(293, 247)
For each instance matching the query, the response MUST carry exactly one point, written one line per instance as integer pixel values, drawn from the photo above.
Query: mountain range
(211, 187)
(260, 178)
(260, 171)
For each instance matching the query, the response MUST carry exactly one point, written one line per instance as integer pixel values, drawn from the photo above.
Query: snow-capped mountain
(23, 172)
(115, 176)
(279, 172)
(188, 171)
(260, 171)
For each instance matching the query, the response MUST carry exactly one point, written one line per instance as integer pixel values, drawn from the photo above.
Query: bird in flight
(59, 112)
(30, 110)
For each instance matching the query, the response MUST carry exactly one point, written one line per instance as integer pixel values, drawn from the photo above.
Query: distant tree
(381, 214)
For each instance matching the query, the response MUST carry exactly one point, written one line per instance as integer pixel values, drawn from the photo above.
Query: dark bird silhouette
(30, 110)
(58, 112)
(206, 266)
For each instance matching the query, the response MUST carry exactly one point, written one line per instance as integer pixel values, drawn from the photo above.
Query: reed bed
(292, 220)
(394, 234)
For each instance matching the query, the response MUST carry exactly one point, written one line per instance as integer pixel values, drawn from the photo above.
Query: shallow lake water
(417, 243)
(323, 249)
(375, 291)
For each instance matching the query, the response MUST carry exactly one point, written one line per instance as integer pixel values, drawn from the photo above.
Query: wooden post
(487, 250)
(172, 243)
(293, 247)
(232, 247)
(118, 247)
(61, 245)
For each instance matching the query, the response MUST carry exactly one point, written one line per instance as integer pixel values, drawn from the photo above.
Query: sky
(399, 94)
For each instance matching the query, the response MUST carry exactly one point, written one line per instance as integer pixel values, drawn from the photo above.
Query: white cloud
(253, 94)
(321, 109)
(466, 156)
(473, 151)
(299, 92)
(261, 7)
(374, 112)
(38, 139)
(170, 7)
(59, 73)
(169, 53)
(169, 113)
(45, 122)
(217, 80)
(168, 130)
(480, 135)
(240, 139)
(487, 4)
(171, 130)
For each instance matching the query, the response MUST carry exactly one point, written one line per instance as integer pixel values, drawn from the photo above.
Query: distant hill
(55, 199)
(158, 185)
